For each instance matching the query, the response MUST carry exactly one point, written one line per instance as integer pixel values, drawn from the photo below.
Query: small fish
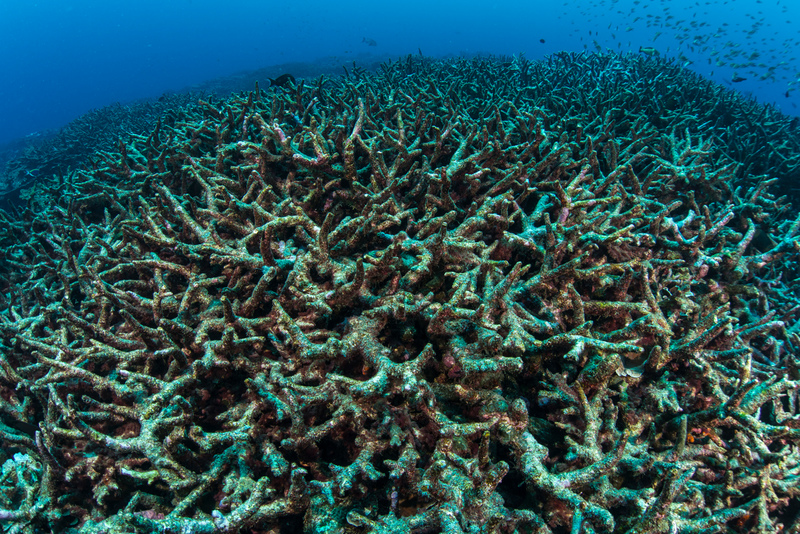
(282, 80)
(541, 41)
(648, 50)
(370, 42)
(737, 79)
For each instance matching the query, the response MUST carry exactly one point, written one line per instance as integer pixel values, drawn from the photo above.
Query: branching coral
(394, 304)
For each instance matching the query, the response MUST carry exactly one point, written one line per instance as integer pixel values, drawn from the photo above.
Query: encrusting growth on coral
(428, 299)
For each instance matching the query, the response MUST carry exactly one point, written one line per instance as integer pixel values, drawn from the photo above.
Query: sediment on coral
(437, 298)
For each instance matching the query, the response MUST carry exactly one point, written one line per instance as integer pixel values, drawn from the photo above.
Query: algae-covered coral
(462, 296)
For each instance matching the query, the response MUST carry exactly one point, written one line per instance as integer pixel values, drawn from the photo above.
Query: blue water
(61, 59)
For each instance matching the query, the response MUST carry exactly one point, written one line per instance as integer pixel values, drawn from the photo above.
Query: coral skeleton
(459, 297)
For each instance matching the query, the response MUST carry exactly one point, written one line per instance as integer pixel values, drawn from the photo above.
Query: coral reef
(45, 154)
(437, 298)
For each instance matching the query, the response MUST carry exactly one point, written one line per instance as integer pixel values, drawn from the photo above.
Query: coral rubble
(436, 298)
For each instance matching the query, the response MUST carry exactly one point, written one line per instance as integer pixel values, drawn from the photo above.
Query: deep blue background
(60, 59)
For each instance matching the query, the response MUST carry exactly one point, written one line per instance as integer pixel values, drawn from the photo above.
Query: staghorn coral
(45, 154)
(424, 300)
